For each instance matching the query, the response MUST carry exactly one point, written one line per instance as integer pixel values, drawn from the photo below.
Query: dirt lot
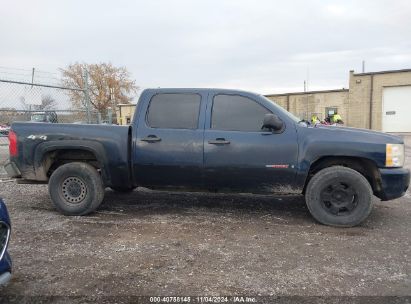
(152, 243)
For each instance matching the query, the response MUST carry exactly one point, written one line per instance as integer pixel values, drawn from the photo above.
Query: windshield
(284, 111)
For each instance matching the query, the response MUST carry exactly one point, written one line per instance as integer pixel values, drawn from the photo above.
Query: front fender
(314, 146)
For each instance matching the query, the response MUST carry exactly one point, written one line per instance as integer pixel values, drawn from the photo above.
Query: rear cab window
(174, 111)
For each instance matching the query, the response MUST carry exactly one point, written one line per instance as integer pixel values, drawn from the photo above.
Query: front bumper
(394, 183)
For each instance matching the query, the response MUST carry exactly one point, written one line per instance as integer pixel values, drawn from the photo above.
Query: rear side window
(174, 111)
(237, 113)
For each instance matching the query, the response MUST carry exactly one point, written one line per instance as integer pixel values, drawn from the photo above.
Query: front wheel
(76, 188)
(339, 196)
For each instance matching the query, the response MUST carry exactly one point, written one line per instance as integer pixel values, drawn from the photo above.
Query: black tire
(76, 188)
(123, 189)
(339, 196)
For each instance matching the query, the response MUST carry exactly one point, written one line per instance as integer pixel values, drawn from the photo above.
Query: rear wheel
(76, 188)
(339, 196)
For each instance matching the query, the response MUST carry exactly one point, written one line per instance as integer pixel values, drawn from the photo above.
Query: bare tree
(23, 103)
(47, 103)
(108, 85)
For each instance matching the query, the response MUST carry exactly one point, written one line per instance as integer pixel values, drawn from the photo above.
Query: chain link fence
(39, 97)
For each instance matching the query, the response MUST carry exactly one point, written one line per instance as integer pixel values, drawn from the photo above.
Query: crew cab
(212, 140)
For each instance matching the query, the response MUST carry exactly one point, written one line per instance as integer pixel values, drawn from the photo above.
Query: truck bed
(107, 144)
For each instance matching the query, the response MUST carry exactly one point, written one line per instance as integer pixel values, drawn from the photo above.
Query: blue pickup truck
(212, 140)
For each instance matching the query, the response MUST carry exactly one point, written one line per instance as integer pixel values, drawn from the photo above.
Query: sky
(265, 46)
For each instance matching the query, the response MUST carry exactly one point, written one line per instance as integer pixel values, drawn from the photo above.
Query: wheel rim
(74, 190)
(339, 198)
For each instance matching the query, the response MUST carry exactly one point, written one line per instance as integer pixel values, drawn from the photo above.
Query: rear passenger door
(169, 145)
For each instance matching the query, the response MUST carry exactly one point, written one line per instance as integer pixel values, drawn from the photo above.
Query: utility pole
(363, 66)
(32, 77)
(113, 104)
(86, 95)
(306, 100)
(32, 82)
(306, 89)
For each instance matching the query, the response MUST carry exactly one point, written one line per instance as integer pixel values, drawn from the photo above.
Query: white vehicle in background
(4, 130)
(46, 116)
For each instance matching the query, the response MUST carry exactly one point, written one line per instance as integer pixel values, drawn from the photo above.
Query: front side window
(174, 111)
(237, 113)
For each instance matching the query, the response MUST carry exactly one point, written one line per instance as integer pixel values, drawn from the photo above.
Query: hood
(355, 134)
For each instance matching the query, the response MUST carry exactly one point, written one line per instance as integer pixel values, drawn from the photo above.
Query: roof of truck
(200, 89)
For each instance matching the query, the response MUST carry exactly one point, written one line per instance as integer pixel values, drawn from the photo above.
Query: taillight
(13, 143)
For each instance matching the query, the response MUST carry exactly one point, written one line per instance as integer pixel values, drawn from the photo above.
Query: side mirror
(273, 122)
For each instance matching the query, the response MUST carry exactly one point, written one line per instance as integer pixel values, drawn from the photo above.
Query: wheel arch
(50, 155)
(364, 166)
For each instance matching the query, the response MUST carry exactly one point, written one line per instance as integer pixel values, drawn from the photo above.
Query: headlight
(394, 155)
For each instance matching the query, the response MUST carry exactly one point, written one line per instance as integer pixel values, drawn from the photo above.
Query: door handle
(219, 141)
(266, 133)
(151, 138)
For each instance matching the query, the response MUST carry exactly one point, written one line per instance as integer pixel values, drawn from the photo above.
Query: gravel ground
(162, 243)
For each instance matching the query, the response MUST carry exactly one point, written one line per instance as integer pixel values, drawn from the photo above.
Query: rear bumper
(394, 183)
(12, 170)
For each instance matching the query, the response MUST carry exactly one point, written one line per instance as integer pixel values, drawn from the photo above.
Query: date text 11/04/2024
(203, 299)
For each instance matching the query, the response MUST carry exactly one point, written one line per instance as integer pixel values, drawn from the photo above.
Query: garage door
(396, 109)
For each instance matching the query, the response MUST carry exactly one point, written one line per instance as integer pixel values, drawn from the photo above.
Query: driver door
(238, 155)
